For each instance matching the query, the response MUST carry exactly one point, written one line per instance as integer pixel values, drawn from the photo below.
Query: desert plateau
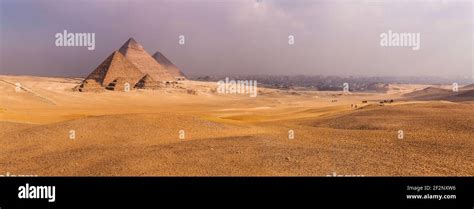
(173, 131)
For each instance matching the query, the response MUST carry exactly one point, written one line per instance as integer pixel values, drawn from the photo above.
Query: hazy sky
(233, 37)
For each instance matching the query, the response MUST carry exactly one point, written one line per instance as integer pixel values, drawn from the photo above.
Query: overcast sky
(235, 37)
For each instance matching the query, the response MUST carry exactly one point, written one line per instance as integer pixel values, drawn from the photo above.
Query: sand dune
(138, 132)
(434, 93)
(468, 87)
(429, 92)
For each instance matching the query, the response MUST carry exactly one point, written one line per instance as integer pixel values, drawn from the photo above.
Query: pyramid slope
(172, 69)
(116, 68)
(136, 54)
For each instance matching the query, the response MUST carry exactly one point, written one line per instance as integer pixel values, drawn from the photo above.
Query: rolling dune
(138, 133)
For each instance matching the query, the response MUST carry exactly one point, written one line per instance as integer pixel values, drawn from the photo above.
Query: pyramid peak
(131, 43)
(160, 58)
(131, 40)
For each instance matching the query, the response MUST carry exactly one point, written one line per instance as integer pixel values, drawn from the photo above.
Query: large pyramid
(131, 65)
(169, 66)
(113, 73)
(135, 53)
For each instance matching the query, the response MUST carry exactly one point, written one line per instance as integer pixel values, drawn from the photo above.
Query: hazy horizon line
(194, 76)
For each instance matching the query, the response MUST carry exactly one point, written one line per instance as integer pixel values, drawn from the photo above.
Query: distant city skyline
(244, 37)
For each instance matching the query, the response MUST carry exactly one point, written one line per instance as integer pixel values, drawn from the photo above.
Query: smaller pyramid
(169, 66)
(147, 82)
(113, 74)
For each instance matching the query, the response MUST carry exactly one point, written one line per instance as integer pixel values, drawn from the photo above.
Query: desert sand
(137, 133)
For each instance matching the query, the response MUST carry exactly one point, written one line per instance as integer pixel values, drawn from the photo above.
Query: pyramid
(148, 83)
(169, 66)
(135, 53)
(113, 73)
